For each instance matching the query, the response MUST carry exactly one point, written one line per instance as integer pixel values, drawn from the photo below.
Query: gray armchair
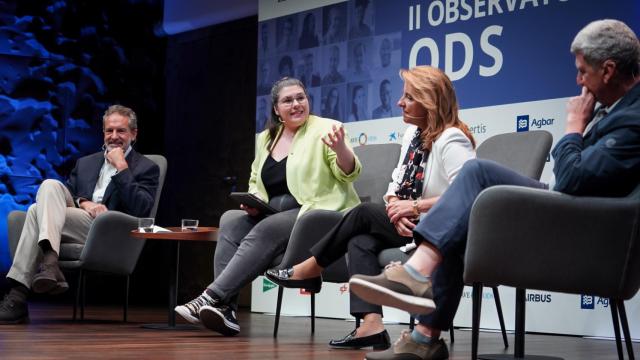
(378, 161)
(557, 256)
(108, 249)
(523, 152)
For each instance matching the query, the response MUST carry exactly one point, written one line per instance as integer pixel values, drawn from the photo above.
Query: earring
(280, 119)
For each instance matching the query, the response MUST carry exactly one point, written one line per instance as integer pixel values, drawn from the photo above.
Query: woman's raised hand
(335, 139)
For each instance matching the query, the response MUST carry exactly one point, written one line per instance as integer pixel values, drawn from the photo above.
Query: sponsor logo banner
(267, 285)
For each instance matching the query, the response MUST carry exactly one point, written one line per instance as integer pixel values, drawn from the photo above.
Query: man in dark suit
(117, 179)
(599, 155)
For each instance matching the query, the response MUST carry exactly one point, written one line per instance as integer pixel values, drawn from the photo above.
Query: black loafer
(379, 341)
(281, 277)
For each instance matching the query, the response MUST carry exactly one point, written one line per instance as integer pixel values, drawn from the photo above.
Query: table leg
(173, 284)
(173, 295)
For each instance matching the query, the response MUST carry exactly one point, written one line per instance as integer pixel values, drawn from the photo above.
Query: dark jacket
(606, 162)
(131, 191)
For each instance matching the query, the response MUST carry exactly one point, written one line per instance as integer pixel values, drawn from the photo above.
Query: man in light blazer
(118, 178)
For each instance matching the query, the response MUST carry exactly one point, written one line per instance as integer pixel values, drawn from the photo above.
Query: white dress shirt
(106, 172)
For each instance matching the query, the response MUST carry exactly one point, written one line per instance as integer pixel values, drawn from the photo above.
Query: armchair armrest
(538, 239)
(309, 229)
(109, 246)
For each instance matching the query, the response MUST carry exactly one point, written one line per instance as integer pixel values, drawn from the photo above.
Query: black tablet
(253, 201)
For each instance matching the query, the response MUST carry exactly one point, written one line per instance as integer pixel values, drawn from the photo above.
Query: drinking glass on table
(145, 225)
(189, 225)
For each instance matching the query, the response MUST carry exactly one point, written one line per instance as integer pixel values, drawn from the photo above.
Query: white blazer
(448, 153)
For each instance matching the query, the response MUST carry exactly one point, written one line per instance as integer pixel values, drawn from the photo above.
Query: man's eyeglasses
(288, 101)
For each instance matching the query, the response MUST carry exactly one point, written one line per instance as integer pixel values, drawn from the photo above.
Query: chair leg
(278, 306)
(126, 299)
(83, 294)
(412, 322)
(625, 327)
(496, 297)
(313, 312)
(451, 338)
(78, 292)
(521, 303)
(476, 298)
(616, 327)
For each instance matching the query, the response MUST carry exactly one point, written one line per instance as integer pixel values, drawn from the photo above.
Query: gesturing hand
(335, 139)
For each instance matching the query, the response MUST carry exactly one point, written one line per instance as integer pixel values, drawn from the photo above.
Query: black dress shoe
(282, 278)
(13, 311)
(379, 341)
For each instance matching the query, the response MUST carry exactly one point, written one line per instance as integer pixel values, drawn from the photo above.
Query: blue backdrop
(61, 64)
(496, 52)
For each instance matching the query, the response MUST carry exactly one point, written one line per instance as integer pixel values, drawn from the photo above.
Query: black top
(274, 177)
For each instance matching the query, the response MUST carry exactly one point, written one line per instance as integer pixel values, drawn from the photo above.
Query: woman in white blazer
(434, 147)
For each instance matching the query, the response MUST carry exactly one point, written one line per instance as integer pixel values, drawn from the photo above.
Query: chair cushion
(277, 260)
(70, 251)
(394, 254)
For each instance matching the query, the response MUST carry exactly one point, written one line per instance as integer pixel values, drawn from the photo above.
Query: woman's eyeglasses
(288, 101)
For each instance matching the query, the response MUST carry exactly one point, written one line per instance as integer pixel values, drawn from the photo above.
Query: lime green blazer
(313, 176)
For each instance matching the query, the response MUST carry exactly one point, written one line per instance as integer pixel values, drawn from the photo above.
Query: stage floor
(52, 335)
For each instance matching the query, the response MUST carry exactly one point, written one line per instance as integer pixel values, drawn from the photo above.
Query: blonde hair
(434, 91)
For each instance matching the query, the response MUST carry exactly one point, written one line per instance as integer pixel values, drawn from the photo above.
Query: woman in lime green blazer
(302, 159)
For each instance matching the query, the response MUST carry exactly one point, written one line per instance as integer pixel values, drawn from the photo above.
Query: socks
(420, 338)
(415, 274)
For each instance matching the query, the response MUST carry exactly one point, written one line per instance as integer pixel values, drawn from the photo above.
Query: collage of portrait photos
(350, 71)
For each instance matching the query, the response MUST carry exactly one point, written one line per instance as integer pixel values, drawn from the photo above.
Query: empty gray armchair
(108, 248)
(588, 245)
(378, 161)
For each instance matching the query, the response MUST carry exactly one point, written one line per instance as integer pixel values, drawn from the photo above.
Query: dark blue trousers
(445, 226)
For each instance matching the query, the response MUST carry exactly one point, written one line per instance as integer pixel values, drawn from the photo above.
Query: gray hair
(122, 111)
(607, 39)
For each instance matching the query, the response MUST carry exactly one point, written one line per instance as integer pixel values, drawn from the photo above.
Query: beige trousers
(53, 217)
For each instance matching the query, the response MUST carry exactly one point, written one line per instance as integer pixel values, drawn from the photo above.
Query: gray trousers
(246, 248)
(53, 217)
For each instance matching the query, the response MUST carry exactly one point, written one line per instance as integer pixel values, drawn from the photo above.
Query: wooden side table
(176, 236)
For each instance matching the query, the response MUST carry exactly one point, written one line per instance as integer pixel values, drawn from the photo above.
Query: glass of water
(189, 225)
(145, 225)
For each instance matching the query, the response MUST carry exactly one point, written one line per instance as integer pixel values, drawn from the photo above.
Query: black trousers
(362, 233)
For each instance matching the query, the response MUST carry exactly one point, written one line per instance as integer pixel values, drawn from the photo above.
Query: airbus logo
(539, 298)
